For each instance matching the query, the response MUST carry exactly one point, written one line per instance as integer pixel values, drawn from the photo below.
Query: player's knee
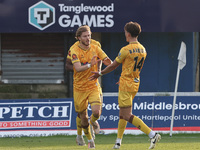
(85, 126)
(122, 116)
(84, 121)
(96, 113)
(131, 119)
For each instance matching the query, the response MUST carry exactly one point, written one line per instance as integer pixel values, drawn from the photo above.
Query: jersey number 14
(138, 65)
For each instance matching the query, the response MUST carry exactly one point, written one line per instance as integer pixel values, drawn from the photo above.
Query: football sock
(119, 141)
(78, 125)
(140, 125)
(93, 118)
(90, 140)
(121, 128)
(151, 134)
(87, 132)
(79, 136)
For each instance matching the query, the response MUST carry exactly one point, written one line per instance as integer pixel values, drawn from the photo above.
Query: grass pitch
(103, 142)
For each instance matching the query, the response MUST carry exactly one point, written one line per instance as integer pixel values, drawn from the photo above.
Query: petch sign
(35, 114)
(155, 111)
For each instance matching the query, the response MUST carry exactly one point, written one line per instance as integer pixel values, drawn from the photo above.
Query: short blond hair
(82, 29)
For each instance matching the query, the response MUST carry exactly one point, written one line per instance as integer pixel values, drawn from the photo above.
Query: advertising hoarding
(45, 117)
(101, 16)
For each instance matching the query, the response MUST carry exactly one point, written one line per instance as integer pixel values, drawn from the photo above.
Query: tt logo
(41, 15)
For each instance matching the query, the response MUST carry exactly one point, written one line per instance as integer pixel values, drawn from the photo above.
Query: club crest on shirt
(119, 55)
(74, 57)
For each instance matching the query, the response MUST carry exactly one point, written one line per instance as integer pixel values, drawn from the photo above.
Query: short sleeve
(97, 43)
(74, 56)
(69, 52)
(101, 54)
(121, 55)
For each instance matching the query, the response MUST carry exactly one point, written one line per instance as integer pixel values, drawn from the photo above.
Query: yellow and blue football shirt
(78, 54)
(132, 58)
(94, 42)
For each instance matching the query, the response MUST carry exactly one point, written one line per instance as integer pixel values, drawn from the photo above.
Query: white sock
(79, 136)
(151, 134)
(90, 140)
(118, 140)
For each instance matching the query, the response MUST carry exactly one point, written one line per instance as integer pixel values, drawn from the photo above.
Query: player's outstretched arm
(108, 69)
(99, 65)
(79, 68)
(107, 61)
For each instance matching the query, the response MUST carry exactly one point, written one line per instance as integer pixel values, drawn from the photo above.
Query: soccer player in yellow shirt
(132, 58)
(84, 60)
(69, 67)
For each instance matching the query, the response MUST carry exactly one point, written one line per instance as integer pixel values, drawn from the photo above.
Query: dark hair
(82, 29)
(133, 28)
